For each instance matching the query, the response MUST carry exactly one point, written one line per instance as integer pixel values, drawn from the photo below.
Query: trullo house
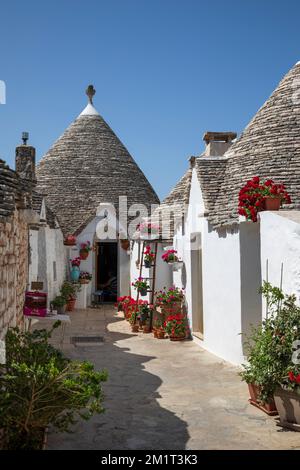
(226, 258)
(83, 176)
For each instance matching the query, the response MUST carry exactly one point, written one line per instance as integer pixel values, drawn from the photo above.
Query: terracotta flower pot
(272, 203)
(70, 240)
(269, 408)
(177, 338)
(146, 329)
(135, 328)
(288, 406)
(71, 305)
(125, 244)
(160, 334)
(84, 254)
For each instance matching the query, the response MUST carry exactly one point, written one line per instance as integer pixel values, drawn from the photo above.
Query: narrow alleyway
(163, 395)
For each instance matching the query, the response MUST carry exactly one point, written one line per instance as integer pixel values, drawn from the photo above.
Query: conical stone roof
(86, 166)
(269, 147)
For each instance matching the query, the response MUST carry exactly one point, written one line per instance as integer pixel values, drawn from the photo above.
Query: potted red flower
(149, 256)
(148, 231)
(142, 286)
(176, 327)
(85, 248)
(259, 195)
(70, 240)
(287, 399)
(75, 271)
(85, 277)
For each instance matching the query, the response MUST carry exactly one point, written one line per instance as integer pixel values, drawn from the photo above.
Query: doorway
(196, 285)
(107, 270)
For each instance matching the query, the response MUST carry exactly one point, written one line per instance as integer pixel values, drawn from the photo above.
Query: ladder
(150, 278)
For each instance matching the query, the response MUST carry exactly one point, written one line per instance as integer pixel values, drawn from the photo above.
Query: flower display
(252, 196)
(75, 262)
(170, 256)
(176, 325)
(86, 246)
(167, 296)
(140, 284)
(149, 255)
(85, 275)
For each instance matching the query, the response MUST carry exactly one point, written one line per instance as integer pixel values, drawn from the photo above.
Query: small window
(54, 271)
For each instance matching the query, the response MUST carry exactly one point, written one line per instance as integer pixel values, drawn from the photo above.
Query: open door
(107, 270)
(197, 289)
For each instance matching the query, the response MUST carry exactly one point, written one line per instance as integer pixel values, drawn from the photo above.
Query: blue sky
(165, 71)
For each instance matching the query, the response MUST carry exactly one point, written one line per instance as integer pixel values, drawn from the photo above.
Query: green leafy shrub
(41, 387)
(270, 345)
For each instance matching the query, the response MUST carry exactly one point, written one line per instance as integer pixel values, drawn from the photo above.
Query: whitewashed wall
(230, 278)
(280, 243)
(89, 265)
(46, 245)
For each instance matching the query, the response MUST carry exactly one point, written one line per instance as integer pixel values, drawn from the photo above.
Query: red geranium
(252, 196)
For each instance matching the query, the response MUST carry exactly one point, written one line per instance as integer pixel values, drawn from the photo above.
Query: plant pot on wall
(272, 203)
(84, 254)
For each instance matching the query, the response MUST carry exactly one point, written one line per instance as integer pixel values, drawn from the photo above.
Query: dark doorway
(107, 270)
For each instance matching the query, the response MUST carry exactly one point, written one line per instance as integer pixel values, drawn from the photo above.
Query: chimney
(25, 161)
(217, 143)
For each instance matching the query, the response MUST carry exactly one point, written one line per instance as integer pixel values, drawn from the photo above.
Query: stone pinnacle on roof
(90, 91)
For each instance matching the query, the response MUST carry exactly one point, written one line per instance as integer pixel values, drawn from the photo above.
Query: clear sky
(165, 71)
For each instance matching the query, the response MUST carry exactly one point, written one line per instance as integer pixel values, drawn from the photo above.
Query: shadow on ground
(133, 418)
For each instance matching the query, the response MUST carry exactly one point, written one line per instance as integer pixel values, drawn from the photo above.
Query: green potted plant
(269, 347)
(59, 304)
(40, 387)
(142, 286)
(158, 325)
(132, 321)
(69, 291)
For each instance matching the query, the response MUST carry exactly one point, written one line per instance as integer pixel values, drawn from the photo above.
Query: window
(54, 271)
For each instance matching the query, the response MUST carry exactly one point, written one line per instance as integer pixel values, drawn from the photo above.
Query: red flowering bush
(252, 196)
(167, 296)
(176, 325)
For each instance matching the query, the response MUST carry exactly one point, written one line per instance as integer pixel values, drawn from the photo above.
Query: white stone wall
(280, 243)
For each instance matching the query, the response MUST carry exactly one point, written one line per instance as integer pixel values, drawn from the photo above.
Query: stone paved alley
(163, 395)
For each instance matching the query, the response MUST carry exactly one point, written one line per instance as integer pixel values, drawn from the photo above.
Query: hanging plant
(149, 256)
(85, 248)
(256, 196)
